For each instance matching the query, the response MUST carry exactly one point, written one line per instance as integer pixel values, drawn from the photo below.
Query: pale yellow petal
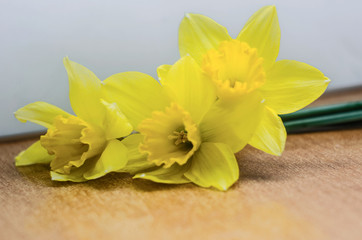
(171, 175)
(113, 158)
(41, 113)
(214, 165)
(270, 136)
(136, 94)
(76, 173)
(292, 85)
(187, 86)
(137, 161)
(84, 92)
(115, 125)
(138, 165)
(162, 72)
(132, 143)
(232, 123)
(33, 155)
(67, 177)
(198, 34)
(262, 31)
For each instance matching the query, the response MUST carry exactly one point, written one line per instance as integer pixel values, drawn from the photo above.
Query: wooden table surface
(313, 191)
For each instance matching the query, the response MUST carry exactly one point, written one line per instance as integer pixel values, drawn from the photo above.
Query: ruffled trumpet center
(235, 68)
(170, 136)
(72, 141)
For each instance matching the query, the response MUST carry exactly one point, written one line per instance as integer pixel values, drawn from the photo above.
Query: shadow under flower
(254, 165)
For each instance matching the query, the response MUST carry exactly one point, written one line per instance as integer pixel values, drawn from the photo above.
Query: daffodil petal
(75, 176)
(132, 143)
(136, 94)
(198, 34)
(214, 165)
(41, 113)
(262, 31)
(270, 136)
(137, 161)
(63, 177)
(116, 124)
(113, 158)
(76, 173)
(84, 92)
(137, 165)
(232, 123)
(171, 175)
(292, 85)
(33, 155)
(162, 72)
(187, 86)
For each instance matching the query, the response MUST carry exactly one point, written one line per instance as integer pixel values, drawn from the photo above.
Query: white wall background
(114, 36)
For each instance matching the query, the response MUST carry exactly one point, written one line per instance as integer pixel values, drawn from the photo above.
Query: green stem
(322, 111)
(321, 121)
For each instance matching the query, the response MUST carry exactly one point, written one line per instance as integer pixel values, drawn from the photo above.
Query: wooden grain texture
(314, 191)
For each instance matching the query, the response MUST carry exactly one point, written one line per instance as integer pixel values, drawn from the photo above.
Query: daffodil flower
(248, 64)
(85, 146)
(188, 136)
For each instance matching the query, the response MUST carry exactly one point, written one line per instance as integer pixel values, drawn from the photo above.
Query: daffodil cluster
(221, 95)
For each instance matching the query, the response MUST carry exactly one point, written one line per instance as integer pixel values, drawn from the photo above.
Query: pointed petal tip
(67, 64)
(185, 58)
(189, 15)
(65, 60)
(16, 115)
(271, 8)
(278, 152)
(222, 187)
(17, 159)
(41, 113)
(140, 175)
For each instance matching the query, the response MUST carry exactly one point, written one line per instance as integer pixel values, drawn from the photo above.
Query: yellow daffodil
(188, 136)
(247, 65)
(82, 147)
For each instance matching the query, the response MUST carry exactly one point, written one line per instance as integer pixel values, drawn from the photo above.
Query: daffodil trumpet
(188, 135)
(89, 145)
(247, 64)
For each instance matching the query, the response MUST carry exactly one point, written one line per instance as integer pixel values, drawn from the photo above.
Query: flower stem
(328, 117)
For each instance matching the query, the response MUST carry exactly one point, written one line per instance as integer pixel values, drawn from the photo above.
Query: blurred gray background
(115, 36)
